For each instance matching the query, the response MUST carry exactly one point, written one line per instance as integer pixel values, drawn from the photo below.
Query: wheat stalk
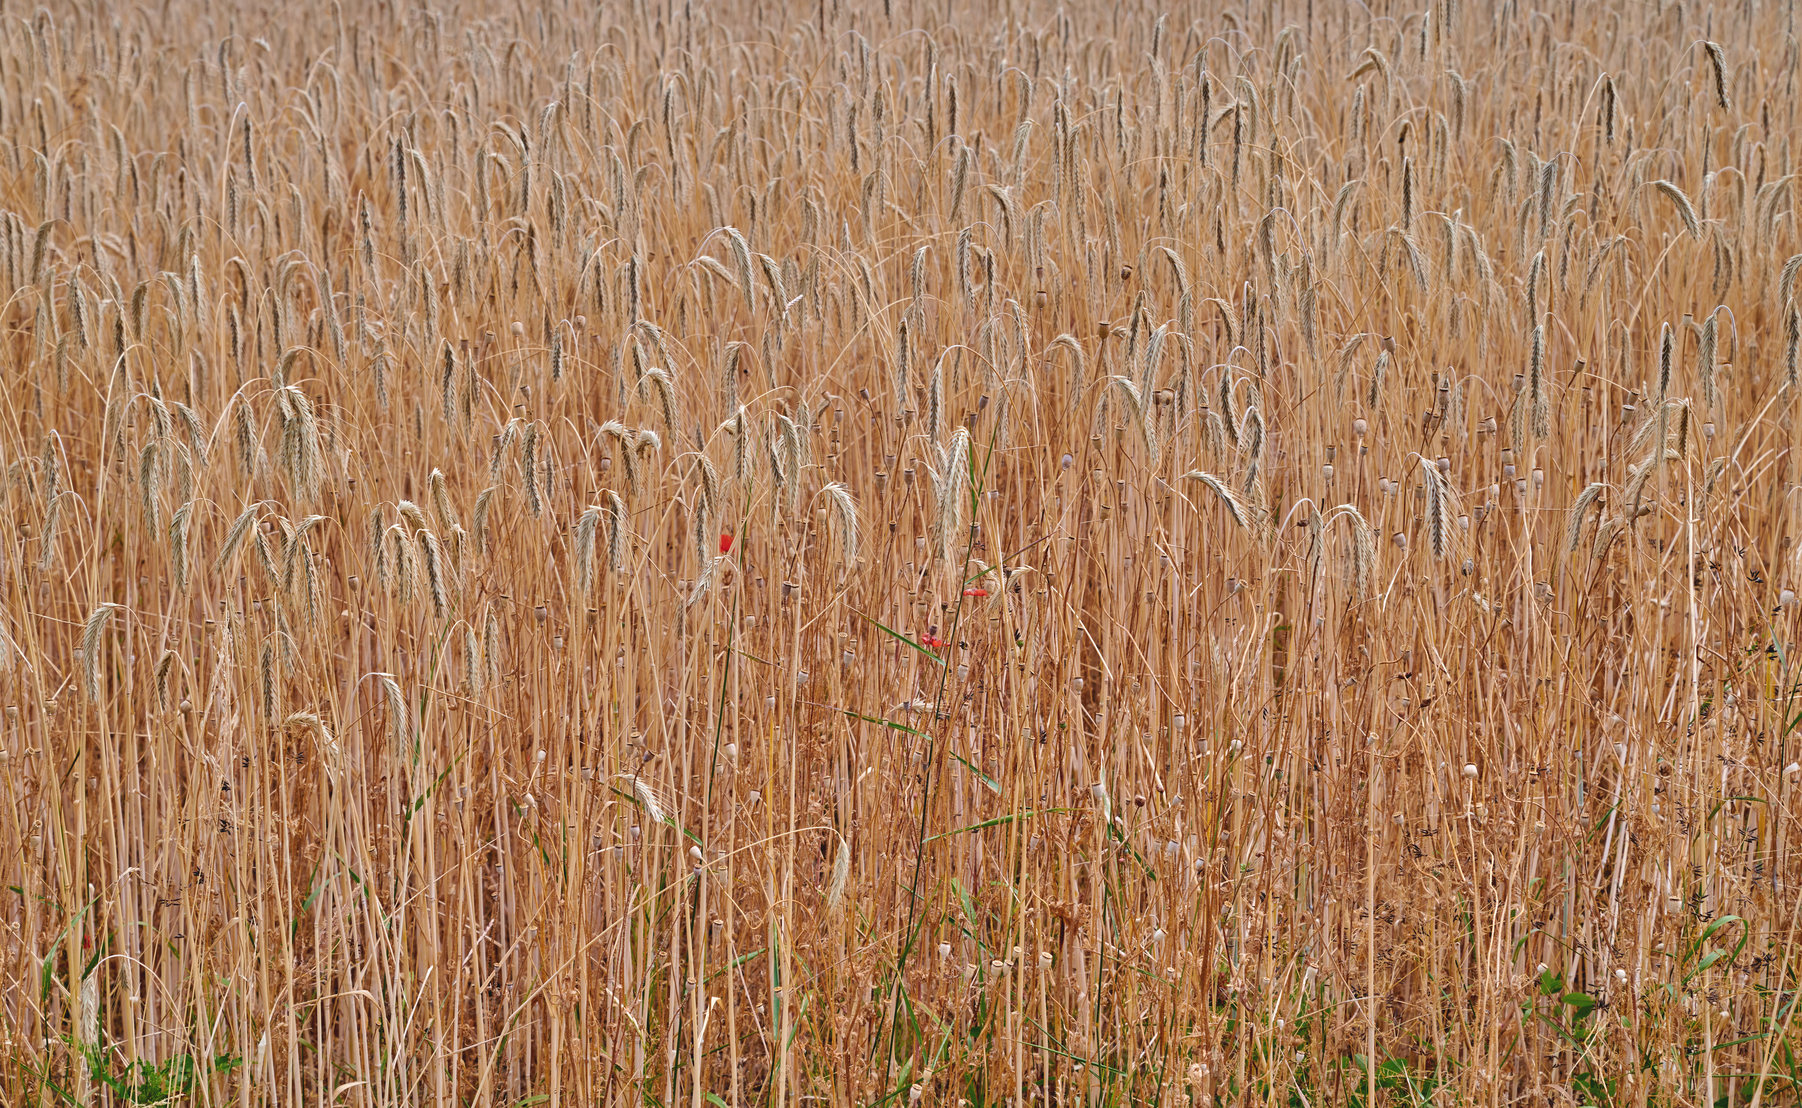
(1578, 511)
(1717, 61)
(442, 511)
(91, 633)
(1705, 360)
(1792, 331)
(1441, 506)
(844, 521)
(1686, 211)
(950, 481)
(1234, 506)
(400, 722)
(178, 546)
(841, 873)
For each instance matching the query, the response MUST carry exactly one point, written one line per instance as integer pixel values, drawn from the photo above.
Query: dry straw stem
(641, 535)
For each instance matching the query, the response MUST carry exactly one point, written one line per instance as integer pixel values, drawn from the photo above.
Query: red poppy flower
(976, 592)
(933, 641)
(725, 542)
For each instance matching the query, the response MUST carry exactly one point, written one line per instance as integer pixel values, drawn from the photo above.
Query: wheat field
(899, 552)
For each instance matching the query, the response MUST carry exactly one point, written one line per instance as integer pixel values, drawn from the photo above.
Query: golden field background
(905, 552)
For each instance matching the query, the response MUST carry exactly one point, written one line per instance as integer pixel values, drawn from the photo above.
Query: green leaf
(1743, 1039)
(997, 821)
(993, 785)
(1726, 800)
(736, 962)
(1713, 956)
(1708, 932)
(1601, 823)
(963, 900)
(899, 637)
(884, 722)
(307, 904)
(1556, 1026)
(1118, 836)
(50, 963)
(419, 801)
